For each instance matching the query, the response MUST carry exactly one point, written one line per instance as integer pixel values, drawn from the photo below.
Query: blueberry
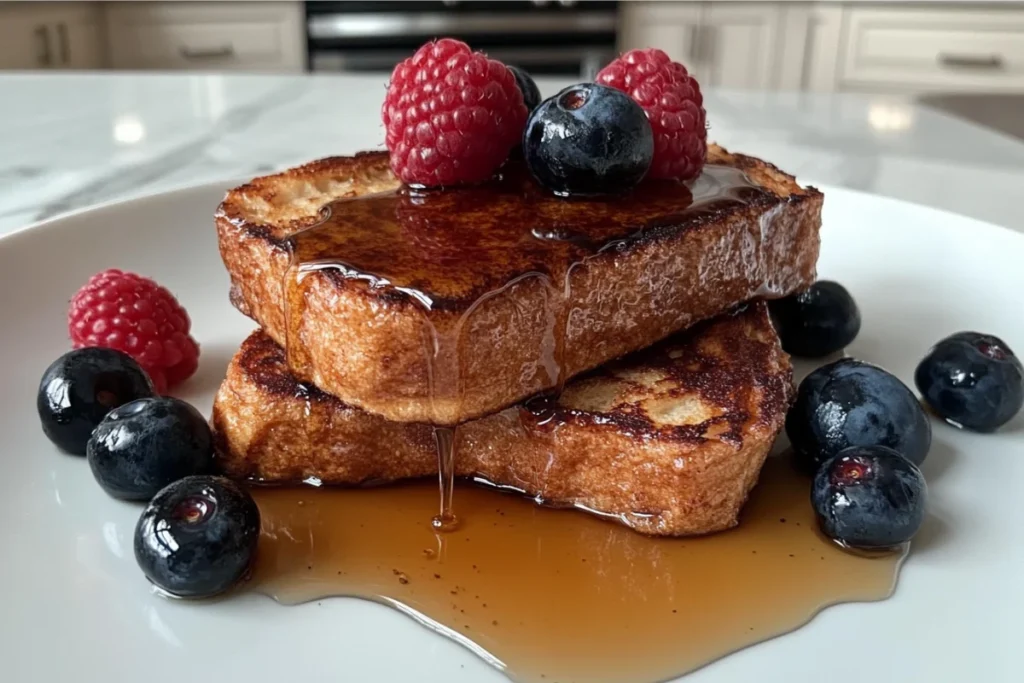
(818, 321)
(143, 446)
(972, 380)
(869, 497)
(588, 140)
(531, 93)
(852, 403)
(198, 536)
(81, 387)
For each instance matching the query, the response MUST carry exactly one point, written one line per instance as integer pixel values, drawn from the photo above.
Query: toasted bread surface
(365, 344)
(669, 440)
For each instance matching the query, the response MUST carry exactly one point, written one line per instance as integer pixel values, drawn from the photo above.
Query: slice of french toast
(669, 440)
(538, 289)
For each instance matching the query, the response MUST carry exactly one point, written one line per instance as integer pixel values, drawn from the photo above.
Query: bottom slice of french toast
(669, 441)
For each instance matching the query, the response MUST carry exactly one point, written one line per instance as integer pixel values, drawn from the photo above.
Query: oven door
(565, 39)
(571, 61)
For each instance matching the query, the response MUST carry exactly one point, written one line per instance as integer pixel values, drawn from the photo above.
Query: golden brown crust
(669, 440)
(363, 345)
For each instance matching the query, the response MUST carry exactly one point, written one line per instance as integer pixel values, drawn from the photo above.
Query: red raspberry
(451, 115)
(671, 98)
(133, 314)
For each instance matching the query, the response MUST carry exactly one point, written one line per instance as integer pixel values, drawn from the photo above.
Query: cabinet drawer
(934, 48)
(212, 36)
(51, 35)
(196, 46)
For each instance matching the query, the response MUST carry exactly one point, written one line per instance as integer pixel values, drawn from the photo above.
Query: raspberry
(671, 98)
(451, 115)
(133, 314)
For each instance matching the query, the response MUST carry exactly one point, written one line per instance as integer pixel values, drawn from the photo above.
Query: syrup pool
(559, 595)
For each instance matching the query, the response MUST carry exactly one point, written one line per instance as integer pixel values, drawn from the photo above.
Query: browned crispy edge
(656, 478)
(371, 167)
(363, 345)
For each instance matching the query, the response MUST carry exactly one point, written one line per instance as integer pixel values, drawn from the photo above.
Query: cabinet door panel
(740, 44)
(79, 44)
(737, 45)
(23, 39)
(672, 26)
(57, 35)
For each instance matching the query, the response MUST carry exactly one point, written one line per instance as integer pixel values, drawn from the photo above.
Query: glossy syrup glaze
(559, 595)
(449, 248)
(449, 253)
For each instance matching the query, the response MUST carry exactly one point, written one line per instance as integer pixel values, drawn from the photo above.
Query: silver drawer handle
(44, 55)
(972, 61)
(208, 53)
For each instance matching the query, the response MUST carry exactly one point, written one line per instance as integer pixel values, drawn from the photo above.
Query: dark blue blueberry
(198, 536)
(818, 321)
(588, 140)
(143, 446)
(972, 380)
(869, 498)
(531, 93)
(852, 403)
(81, 387)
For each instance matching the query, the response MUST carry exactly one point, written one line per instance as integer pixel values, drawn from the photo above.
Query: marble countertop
(71, 141)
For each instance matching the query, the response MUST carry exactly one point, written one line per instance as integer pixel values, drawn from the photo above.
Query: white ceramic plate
(76, 608)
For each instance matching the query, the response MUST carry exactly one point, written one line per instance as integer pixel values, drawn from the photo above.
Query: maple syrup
(560, 595)
(453, 253)
(445, 519)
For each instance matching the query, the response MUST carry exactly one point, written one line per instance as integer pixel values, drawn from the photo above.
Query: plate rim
(131, 200)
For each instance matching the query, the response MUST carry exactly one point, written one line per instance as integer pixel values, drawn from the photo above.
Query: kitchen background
(966, 58)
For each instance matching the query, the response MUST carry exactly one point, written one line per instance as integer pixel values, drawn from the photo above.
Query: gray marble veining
(68, 141)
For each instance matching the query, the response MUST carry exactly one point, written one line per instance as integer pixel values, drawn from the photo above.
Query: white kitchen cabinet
(79, 43)
(743, 45)
(821, 50)
(739, 44)
(865, 46)
(224, 36)
(671, 26)
(23, 42)
(50, 35)
(956, 48)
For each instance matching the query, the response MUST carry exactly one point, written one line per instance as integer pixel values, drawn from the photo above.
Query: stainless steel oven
(564, 38)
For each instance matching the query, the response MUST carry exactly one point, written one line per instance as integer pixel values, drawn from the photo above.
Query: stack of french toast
(637, 376)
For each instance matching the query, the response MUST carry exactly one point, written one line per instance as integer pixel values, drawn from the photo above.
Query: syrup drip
(456, 253)
(445, 520)
(446, 375)
(560, 595)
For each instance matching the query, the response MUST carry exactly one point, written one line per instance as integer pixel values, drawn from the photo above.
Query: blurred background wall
(963, 56)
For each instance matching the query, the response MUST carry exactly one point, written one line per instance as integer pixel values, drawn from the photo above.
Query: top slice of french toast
(445, 306)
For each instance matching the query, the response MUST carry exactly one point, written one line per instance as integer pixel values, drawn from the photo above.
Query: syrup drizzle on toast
(454, 253)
